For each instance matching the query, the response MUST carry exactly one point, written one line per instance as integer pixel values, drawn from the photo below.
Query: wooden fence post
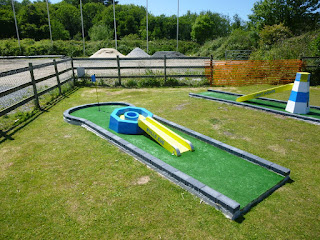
(74, 79)
(35, 92)
(119, 73)
(57, 75)
(165, 68)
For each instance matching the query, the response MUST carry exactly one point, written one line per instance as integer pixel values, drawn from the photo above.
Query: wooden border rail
(33, 82)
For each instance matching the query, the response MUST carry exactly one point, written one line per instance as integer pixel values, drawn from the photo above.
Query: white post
(115, 26)
(84, 47)
(15, 22)
(49, 22)
(147, 30)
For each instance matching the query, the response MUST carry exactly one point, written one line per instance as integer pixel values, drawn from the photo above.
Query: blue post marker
(299, 97)
(93, 80)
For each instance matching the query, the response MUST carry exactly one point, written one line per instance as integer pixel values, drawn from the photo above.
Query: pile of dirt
(168, 54)
(107, 53)
(137, 53)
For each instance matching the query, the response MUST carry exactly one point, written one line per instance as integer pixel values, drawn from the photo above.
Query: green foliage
(298, 16)
(90, 11)
(238, 40)
(100, 32)
(69, 16)
(131, 83)
(128, 18)
(270, 35)
(209, 26)
(58, 31)
(291, 48)
(316, 46)
(6, 23)
(33, 21)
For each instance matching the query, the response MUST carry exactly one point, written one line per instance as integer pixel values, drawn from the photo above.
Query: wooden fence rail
(219, 73)
(36, 92)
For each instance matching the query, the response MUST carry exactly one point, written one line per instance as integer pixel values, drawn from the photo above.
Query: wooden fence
(219, 73)
(36, 91)
(238, 73)
(129, 68)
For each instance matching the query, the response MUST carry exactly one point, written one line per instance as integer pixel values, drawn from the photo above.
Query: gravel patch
(137, 53)
(168, 54)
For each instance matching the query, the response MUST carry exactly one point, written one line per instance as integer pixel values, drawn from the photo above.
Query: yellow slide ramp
(164, 136)
(263, 93)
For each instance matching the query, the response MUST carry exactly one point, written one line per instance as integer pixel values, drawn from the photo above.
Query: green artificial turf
(261, 103)
(234, 177)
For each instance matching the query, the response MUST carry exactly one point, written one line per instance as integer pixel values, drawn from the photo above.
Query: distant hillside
(307, 44)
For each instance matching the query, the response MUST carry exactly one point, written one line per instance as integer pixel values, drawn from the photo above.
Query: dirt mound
(107, 53)
(168, 54)
(137, 52)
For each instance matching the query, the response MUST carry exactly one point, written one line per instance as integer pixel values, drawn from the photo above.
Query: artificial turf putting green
(315, 113)
(228, 174)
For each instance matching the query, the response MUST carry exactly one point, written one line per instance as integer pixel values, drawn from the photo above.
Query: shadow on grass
(8, 134)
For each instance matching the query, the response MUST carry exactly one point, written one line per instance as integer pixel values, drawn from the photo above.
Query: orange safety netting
(246, 72)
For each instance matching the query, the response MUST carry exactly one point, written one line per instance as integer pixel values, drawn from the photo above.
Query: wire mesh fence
(27, 88)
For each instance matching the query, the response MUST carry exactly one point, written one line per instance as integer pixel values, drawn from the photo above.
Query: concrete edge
(229, 207)
(287, 114)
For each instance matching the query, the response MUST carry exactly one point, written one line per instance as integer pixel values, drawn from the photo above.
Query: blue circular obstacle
(131, 115)
(125, 120)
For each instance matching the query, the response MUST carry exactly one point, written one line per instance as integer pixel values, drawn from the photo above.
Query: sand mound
(138, 52)
(168, 54)
(107, 53)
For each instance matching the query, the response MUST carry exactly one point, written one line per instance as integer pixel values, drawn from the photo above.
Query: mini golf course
(225, 177)
(264, 104)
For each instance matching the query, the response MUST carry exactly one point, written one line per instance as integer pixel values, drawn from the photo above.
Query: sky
(170, 7)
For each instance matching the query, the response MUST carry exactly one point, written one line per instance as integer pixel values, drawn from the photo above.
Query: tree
(58, 31)
(69, 16)
(270, 35)
(128, 18)
(297, 15)
(100, 32)
(90, 11)
(6, 23)
(237, 22)
(209, 26)
(33, 21)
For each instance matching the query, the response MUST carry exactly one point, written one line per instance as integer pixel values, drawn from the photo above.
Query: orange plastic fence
(246, 72)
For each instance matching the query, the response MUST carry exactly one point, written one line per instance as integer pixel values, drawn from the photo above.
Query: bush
(100, 32)
(270, 35)
(149, 82)
(131, 83)
(171, 82)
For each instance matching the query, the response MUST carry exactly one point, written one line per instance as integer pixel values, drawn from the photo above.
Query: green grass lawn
(60, 181)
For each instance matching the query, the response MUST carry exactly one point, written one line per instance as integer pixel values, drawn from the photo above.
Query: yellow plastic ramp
(283, 88)
(164, 136)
